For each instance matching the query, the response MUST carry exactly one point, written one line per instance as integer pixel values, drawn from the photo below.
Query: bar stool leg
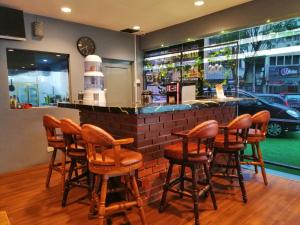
(103, 193)
(195, 195)
(254, 156)
(67, 183)
(211, 191)
(166, 188)
(240, 176)
(182, 172)
(262, 164)
(138, 199)
(51, 164)
(95, 199)
(63, 169)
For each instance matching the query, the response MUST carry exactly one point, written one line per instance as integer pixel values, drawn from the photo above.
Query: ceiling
(117, 15)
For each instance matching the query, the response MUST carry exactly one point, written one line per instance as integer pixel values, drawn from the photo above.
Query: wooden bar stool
(257, 134)
(195, 156)
(76, 151)
(108, 159)
(231, 142)
(56, 141)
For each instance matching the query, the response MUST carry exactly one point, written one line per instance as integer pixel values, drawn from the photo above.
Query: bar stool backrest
(205, 134)
(51, 125)
(72, 134)
(238, 127)
(260, 122)
(98, 139)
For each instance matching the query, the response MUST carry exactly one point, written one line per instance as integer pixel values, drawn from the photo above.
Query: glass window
(273, 61)
(296, 59)
(280, 60)
(288, 60)
(37, 78)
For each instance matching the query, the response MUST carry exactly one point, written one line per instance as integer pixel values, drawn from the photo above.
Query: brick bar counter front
(151, 128)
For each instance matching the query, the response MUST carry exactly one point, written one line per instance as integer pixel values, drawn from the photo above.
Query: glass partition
(37, 78)
(269, 70)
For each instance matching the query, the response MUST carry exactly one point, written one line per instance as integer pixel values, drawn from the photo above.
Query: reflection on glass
(37, 78)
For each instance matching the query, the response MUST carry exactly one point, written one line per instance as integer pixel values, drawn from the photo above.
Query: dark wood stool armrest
(183, 134)
(124, 141)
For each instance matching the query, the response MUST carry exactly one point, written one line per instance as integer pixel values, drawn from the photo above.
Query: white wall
(22, 137)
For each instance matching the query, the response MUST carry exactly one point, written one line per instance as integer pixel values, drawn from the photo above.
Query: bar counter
(151, 127)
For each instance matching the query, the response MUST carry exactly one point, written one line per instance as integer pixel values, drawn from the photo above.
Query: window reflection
(37, 78)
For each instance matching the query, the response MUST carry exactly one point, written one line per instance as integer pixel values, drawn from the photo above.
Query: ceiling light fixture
(66, 9)
(11, 50)
(58, 55)
(136, 27)
(198, 3)
(45, 60)
(31, 64)
(162, 45)
(268, 21)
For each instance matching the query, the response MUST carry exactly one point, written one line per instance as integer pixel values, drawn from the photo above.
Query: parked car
(283, 118)
(293, 100)
(272, 98)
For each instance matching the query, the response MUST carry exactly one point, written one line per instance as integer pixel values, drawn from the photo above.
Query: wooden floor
(26, 201)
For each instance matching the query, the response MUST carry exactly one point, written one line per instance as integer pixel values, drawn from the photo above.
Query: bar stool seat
(127, 157)
(195, 154)
(236, 142)
(255, 135)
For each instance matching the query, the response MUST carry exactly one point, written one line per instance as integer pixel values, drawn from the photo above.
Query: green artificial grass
(284, 149)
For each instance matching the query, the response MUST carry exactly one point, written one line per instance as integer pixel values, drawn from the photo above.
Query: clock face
(86, 46)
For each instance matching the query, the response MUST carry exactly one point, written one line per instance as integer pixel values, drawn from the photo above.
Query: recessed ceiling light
(198, 3)
(162, 45)
(58, 55)
(31, 64)
(188, 39)
(223, 32)
(11, 50)
(45, 60)
(136, 28)
(268, 21)
(23, 67)
(66, 9)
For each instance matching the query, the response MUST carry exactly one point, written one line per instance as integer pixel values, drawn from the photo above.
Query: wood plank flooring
(24, 197)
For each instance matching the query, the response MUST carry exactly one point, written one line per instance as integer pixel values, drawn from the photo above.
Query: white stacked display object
(94, 92)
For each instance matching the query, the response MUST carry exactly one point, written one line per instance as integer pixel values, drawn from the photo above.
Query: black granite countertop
(154, 108)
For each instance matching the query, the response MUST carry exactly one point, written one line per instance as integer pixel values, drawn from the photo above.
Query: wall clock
(86, 46)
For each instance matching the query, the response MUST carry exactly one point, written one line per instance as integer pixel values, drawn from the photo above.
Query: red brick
(165, 117)
(143, 128)
(152, 134)
(178, 115)
(189, 114)
(160, 139)
(145, 172)
(181, 122)
(159, 168)
(152, 119)
(150, 163)
(156, 127)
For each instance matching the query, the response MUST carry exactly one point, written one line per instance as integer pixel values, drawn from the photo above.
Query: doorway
(118, 80)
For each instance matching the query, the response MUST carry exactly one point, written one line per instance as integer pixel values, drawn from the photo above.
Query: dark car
(283, 118)
(272, 98)
(293, 100)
